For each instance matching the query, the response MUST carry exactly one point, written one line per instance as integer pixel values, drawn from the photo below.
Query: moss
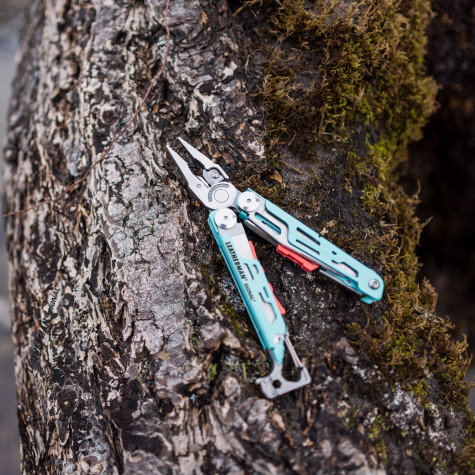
(376, 435)
(143, 371)
(195, 336)
(212, 372)
(145, 360)
(369, 70)
(244, 372)
(351, 77)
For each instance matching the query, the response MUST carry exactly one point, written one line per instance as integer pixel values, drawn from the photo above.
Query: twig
(287, 164)
(75, 184)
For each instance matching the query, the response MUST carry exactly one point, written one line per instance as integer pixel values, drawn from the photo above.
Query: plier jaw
(213, 189)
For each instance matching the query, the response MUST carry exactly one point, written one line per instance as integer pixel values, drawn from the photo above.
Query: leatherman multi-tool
(293, 240)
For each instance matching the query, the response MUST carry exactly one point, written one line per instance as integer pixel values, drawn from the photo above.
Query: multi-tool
(293, 239)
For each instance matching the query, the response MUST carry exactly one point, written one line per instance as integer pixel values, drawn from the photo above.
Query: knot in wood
(67, 400)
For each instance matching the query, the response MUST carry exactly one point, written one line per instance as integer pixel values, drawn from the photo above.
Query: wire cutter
(293, 239)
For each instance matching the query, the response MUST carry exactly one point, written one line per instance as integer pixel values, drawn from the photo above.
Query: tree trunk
(133, 351)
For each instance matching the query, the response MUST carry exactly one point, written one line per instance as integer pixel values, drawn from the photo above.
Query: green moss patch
(350, 78)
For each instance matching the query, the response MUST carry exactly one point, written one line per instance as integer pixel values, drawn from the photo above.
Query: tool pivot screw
(248, 201)
(215, 174)
(221, 195)
(374, 284)
(225, 218)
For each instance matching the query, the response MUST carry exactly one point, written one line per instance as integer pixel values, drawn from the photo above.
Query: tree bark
(133, 351)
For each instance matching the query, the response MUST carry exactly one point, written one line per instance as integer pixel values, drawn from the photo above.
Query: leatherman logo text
(238, 266)
(236, 261)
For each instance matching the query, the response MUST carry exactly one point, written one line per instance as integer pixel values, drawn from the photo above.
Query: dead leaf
(275, 175)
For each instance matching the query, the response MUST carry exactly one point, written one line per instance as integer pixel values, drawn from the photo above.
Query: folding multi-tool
(293, 239)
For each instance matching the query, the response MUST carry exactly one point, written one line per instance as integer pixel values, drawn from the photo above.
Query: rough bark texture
(133, 352)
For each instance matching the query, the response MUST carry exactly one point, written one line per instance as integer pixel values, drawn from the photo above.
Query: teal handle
(278, 226)
(253, 286)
